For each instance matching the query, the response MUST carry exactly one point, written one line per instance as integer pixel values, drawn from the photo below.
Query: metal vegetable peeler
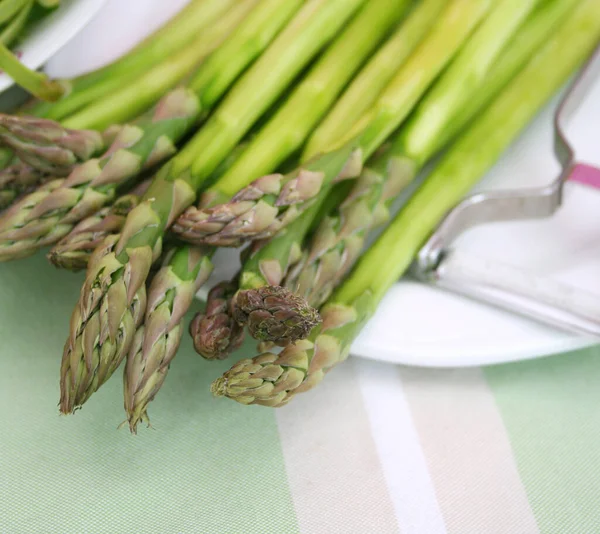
(508, 287)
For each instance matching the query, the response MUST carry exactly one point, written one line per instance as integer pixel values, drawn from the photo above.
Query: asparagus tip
(274, 313)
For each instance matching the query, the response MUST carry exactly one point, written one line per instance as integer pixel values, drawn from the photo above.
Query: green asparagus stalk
(177, 35)
(268, 204)
(169, 296)
(30, 225)
(127, 102)
(73, 251)
(273, 380)
(13, 29)
(10, 8)
(36, 83)
(290, 126)
(465, 75)
(373, 78)
(340, 238)
(114, 284)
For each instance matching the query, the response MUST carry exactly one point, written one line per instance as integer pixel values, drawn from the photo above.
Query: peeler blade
(522, 292)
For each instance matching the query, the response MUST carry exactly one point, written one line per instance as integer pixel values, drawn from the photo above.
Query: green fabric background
(206, 467)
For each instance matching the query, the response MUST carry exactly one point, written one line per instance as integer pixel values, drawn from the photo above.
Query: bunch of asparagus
(287, 129)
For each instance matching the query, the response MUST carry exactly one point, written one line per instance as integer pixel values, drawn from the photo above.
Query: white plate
(52, 33)
(416, 324)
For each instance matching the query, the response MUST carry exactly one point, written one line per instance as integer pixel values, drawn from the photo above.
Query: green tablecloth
(511, 449)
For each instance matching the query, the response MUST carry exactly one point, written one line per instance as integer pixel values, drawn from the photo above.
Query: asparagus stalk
(13, 29)
(49, 213)
(465, 75)
(128, 101)
(271, 312)
(271, 202)
(272, 380)
(32, 224)
(157, 340)
(36, 83)
(114, 283)
(10, 8)
(177, 35)
(373, 78)
(340, 238)
(73, 251)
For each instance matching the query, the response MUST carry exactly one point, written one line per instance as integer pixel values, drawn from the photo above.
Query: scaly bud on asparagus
(215, 332)
(18, 179)
(157, 340)
(274, 313)
(73, 251)
(47, 146)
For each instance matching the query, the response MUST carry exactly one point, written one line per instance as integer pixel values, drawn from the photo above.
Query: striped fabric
(377, 448)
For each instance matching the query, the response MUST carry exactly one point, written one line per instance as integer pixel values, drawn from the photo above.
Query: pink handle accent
(586, 175)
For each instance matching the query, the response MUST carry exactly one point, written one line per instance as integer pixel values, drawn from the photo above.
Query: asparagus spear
(17, 179)
(156, 48)
(340, 238)
(157, 340)
(45, 145)
(10, 8)
(37, 83)
(271, 202)
(128, 101)
(114, 283)
(372, 79)
(32, 224)
(273, 313)
(13, 29)
(196, 18)
(215, 333)
(73, 251)
(273, 380)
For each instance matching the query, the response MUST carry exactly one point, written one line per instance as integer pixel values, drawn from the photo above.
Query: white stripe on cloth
(397, 442)
(334, 472)
(468, 453)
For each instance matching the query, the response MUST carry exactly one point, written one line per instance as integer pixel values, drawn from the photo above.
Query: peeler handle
(567, 307)
(585, 174)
